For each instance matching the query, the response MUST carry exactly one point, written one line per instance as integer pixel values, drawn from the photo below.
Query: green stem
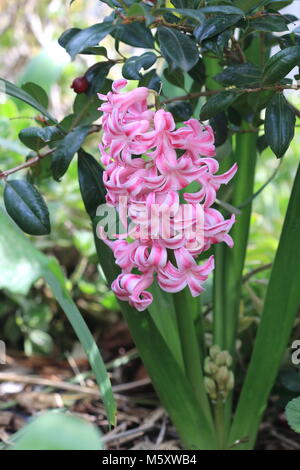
(219, 422)
(184, 305)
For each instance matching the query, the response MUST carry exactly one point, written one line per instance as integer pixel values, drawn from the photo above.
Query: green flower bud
(210, 387)
(222, 377)
(214, 351)
(230, 382)
(210, 367)
(223, 359)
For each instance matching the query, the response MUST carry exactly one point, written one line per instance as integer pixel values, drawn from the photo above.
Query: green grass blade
(56, 281)
(280, 308)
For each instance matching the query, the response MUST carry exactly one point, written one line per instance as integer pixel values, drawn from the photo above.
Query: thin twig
(27, 379)
(232, 90)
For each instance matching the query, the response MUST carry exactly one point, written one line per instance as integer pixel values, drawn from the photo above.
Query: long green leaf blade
(280, 308)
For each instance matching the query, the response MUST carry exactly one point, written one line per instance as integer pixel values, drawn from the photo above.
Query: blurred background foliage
(30, 320)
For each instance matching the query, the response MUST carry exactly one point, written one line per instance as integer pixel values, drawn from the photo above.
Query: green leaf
(76, 41)
(279, 124)
(176, 394)
(19, 267)
(151, 80)
(198, 72)
(217, 103)
(26, 207)
(135, 34)
(37, 137)
(16, 92)
(85, 109)
(219, 124)
(280, 309)
(22, 260)
(216, 25)
(41, 434)
(90, 175)
(249, 5)
(269, 23)
(141, 9)
(133, 65)
(66, 150)
(181, 110)
(36, 92)
(188, 12)
(96, 75)
(240, 75)
(178, 49)
(280, 64)
(175, 77)
(222, 9)
(95, 50)
(292, 412)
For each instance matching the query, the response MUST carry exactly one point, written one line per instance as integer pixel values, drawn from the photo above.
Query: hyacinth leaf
(278, 316)
(158, 349)
(26, 257)
(193, 423)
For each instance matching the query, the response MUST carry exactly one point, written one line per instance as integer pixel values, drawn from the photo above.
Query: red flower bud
(80, 84)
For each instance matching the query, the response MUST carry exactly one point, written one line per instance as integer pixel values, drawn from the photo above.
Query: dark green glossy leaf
(217, 43)
(240, 75)
(175, 77)
(95, 50)
(75, 42)
(222, 9)
(279, 124)
(90, 176)
(278, 4)
(219, 123)
(249, 5)
(66, 150)
(67, 35)
(217, 103)
(177, 48)
(37, 92)
(181, 110)
(198, 72)
(133, 65)
(36, 137)
(213, 26)
(26, 207)
(16, 92)
(280, 64)
(85, 109)
(151, 80)
(96, 75)
(261, 143)
(269, 23)
(189, 13)
(135, 34)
